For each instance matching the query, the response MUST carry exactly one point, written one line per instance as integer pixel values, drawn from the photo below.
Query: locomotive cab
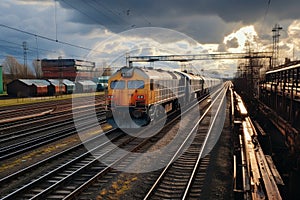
(127, 99)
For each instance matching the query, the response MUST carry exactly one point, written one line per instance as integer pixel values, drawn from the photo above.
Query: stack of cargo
(67, 69)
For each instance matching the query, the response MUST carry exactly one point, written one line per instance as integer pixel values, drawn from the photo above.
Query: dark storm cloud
(207, 21)
(152, 12)
(192, 17)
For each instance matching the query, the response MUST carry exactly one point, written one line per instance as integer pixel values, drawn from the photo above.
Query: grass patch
(3, 94)
(117, 188)
(37, 153)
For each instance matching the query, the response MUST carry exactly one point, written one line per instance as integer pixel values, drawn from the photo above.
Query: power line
(30, 48)
(31, 51)
(96, 7)
(45, 38)
(110, 10)
(19, 46)
(10, 42)
(267, 10)
(88, 16)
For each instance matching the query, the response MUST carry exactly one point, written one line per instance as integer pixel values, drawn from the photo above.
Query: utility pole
(25, 57)
(276, 36)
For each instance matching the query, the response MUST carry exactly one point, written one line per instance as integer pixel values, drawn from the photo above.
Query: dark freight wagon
(70, 86)
(28, 88)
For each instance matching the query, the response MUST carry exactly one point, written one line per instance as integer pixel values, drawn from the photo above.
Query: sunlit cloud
(240, 38)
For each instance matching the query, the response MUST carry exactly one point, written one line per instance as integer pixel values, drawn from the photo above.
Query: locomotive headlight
(140, 96)
(110, 96)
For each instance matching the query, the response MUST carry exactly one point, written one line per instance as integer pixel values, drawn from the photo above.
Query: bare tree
(14, 69)
(37, 68)
(10, 67)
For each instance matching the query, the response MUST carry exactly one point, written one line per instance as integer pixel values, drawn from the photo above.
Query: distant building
(71, 69)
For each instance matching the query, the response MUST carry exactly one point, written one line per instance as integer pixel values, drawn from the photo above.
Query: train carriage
(193, 86)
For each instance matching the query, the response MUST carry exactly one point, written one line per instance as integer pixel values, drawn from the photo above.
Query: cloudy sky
(104, 31)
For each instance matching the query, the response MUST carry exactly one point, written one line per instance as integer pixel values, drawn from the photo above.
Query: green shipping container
(1, 81)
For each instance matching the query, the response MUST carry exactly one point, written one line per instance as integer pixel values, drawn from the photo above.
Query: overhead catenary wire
(83, 13)
(45, 38)
(110, 10)
(18, 46)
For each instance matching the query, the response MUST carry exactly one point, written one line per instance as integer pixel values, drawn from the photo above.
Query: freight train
(138, 96)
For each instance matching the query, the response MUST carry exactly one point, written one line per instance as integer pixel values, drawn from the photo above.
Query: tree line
(13, 69)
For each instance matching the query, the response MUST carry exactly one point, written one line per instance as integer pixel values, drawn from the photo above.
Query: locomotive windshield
(117, 85)
(135, 84)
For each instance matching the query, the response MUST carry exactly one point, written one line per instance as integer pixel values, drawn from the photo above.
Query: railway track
(24, 136)
(11, 116)
(71, 178)
(16, 128)
(183, 178)
(87, 191)
(20, 143)
(14, 180)
(78, 169)
(41, 125)
(36, 105)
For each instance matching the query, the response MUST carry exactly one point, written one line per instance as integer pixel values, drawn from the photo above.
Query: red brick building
(71, 69)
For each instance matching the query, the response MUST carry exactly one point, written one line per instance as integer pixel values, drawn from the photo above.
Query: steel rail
(188, 187)
(16, 149)
(47, 160)
(78, 190)
(44, 127)
(61, 167)
(162, 174)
